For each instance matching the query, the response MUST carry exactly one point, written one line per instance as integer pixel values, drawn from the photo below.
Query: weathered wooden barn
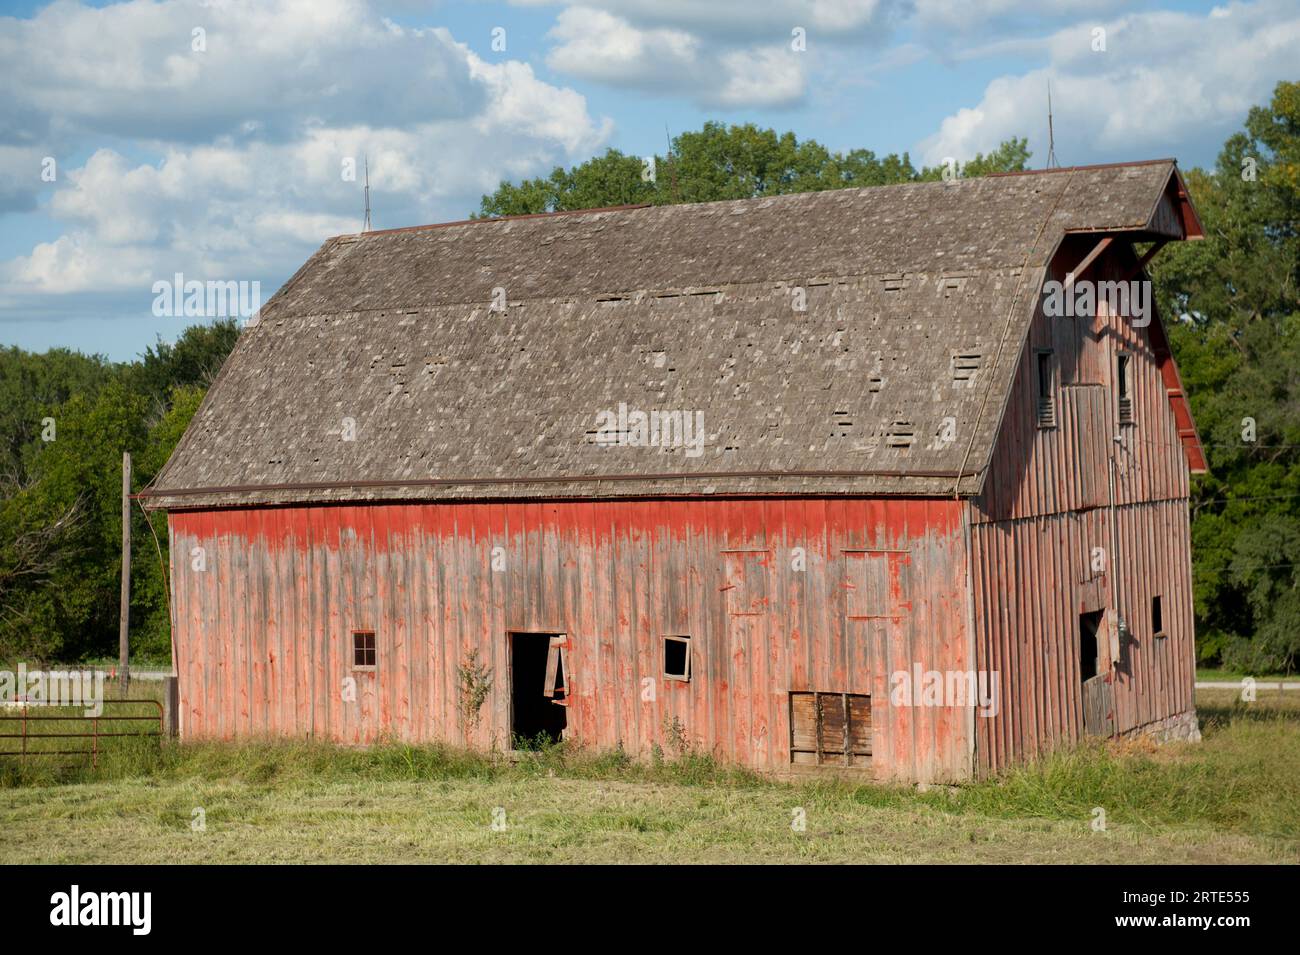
(812, 482)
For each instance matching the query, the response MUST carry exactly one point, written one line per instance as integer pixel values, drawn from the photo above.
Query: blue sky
(224, 162)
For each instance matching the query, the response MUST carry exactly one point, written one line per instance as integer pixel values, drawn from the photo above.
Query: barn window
(1157, 617)
(1124, 385)
(363, 649)
(677, 658)
(830, 728)
(1046, 408)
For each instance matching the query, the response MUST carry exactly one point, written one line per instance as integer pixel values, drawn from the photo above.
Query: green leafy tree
(65, 600)
(609, 180)
(31, 387)
(1236, 334)
(724, 162)
(60, 511)
(194, 359)
(1011, 156)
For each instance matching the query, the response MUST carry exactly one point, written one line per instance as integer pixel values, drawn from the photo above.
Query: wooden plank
(1098, 706)
(421, 578)
(1078, 271)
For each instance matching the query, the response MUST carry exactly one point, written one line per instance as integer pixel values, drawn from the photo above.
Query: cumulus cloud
(599, 46)
(744, 21)
(185, 70)
(235, 166)
(1163, 80)
(728, 53)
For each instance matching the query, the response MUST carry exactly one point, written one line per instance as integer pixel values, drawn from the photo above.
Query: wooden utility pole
(123, 641)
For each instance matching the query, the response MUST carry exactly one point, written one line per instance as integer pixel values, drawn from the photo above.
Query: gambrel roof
(823, 339)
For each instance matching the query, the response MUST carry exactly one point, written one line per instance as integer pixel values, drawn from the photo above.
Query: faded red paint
(262, 633)
(991, 585)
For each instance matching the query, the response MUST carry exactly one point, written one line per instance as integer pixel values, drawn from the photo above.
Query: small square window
(363, 649)
(1157, 618)
(677, 658)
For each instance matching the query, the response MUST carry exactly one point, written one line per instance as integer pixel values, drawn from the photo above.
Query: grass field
(1209, 675)
(1233, 798)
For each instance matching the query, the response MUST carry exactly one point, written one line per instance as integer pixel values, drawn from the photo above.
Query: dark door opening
(536, 681)
(1089, 628)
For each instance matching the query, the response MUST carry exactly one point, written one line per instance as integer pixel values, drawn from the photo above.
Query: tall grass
(290, 762)
(1244, 776)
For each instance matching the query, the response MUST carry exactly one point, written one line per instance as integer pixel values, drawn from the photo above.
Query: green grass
(1216, 675)
(1233, 798)
(140, 663)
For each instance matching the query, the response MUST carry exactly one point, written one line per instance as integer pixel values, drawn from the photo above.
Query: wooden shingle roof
(382, 371)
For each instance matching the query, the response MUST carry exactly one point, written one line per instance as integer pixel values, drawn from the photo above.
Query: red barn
(890, 479)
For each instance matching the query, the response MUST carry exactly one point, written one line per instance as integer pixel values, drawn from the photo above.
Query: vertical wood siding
(1033, 578)
(263, 634)
(1047, 506)
(1038, 471)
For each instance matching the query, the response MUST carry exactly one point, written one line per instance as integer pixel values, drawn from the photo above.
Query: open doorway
(1089, 629)
(537, 682)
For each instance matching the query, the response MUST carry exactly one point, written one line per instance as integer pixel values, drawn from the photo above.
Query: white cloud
(599, 46)
(604, 48)
(744, 21)
(130, 69)
(1165, 80)
(727, 54)
(231, 167)
(521, 103)
(760, 76)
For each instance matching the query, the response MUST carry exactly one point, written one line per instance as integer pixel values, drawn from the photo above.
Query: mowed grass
(1233, 798)
(1216, 675)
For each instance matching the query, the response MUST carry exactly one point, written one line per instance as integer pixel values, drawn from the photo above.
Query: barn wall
(1034, 577)
(263, 631)
(1050, 511)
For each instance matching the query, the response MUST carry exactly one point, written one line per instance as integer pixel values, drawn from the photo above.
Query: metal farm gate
(32, 730)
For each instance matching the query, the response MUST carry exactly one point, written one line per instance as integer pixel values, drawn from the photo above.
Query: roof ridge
(526, 215)
(628, 207)
(1084, 168)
